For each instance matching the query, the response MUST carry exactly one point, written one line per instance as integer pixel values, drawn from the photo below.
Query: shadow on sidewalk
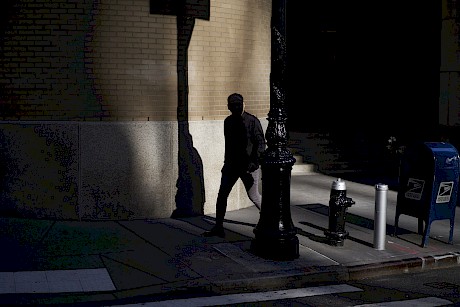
(349, 219)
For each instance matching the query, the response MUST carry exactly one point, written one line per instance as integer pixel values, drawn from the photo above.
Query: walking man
(244, 146)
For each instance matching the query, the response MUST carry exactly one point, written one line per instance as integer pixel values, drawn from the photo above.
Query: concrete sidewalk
(47, 262)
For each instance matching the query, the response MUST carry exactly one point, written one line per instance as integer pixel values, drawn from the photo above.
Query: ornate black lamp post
(275, 234)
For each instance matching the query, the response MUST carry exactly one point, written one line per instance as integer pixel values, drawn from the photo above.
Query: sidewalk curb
(410, 265)
(320, 275)
(281, 280)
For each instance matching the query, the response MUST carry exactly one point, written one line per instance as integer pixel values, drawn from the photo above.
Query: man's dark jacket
(244, 142)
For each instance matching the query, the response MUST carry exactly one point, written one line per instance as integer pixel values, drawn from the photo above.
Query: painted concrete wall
(111, 170)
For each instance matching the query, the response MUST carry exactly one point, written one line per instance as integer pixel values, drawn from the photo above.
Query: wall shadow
(190, 195)
(60, 86)
(40, 165)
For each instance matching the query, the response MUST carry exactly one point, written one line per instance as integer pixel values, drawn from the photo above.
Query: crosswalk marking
(286, 294)
(251, 297)
(419, 302)
(56, 281)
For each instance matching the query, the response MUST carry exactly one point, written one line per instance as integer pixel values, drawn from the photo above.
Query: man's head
(235, 103)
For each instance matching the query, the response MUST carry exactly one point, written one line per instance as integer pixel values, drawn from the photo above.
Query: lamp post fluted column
(275, 234)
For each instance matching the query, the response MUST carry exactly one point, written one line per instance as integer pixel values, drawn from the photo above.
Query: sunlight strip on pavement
(251, 297)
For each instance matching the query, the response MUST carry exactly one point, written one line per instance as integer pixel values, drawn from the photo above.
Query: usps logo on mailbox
(444, 192)
(414, 189)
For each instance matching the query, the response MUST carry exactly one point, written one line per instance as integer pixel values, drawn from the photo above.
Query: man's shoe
(215, 232)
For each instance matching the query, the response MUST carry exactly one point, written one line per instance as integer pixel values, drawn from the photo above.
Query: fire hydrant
(338, 205)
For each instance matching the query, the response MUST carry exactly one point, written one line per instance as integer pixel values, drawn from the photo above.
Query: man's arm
(260, 138)
(258, 145)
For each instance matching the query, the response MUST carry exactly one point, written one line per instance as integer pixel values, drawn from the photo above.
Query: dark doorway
(372, 65)
(311, 46)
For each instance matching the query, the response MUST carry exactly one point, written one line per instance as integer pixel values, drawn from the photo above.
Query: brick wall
(113, 60)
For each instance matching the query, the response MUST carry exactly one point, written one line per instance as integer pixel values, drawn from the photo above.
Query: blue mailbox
(428, 185)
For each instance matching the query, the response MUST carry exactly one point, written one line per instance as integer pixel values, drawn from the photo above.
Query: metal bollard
(380, 216)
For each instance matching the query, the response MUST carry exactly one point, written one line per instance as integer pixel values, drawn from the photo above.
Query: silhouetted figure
(244, 146)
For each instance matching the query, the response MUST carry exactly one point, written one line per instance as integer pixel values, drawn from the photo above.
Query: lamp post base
(275, 234)
(279, 249)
